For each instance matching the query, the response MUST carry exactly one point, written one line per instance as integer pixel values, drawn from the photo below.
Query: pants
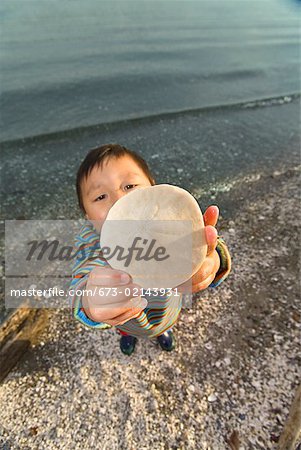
(123, 333)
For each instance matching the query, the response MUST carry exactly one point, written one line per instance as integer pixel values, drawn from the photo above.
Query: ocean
(67, 64)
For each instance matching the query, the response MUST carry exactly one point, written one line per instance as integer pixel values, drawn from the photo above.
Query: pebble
(256, 384)
(208, 346)
(212, 398)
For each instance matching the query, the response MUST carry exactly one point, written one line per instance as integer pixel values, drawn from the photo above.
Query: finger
(131, 313)
(203, 285)
(105, 297)
(123, 318)
(210, 266)
(211, 238)
(131, 308)
(102, 276)
(211, 215)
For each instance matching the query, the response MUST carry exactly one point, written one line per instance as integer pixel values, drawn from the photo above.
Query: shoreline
(195, 151)
(155, 117)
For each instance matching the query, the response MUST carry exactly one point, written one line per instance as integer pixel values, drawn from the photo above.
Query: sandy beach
(235, 370)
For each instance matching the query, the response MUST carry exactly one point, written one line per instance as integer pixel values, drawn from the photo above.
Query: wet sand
(202, 151)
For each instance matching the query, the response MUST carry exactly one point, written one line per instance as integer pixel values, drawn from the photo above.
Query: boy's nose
(117, 195)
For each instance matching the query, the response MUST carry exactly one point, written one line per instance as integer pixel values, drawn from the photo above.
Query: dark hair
(96, 157)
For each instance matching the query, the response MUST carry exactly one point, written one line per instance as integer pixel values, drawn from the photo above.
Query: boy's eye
(131, 185)
(101, 197)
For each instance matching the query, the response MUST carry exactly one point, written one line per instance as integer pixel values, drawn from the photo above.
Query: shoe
(127, 344)
(167, 341)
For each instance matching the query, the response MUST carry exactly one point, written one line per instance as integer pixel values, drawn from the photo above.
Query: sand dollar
(156, 234)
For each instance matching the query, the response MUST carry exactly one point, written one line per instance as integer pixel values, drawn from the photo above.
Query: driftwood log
(291, 435)
(17, 333)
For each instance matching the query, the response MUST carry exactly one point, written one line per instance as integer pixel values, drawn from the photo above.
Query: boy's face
(104, 186)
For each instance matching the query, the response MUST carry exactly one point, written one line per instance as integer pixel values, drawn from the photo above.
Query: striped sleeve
(225, 263)
(88, 256)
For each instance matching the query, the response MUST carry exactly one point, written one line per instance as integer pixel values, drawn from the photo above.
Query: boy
(106, 174)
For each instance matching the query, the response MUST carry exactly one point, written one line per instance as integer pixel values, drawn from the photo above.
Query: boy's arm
(78, 285)
(88, 257)
(225, 263)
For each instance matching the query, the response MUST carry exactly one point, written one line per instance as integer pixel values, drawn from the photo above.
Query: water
(67, 64)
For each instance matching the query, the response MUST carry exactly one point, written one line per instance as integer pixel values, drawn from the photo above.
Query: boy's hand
(206, 274)
(109, 308)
